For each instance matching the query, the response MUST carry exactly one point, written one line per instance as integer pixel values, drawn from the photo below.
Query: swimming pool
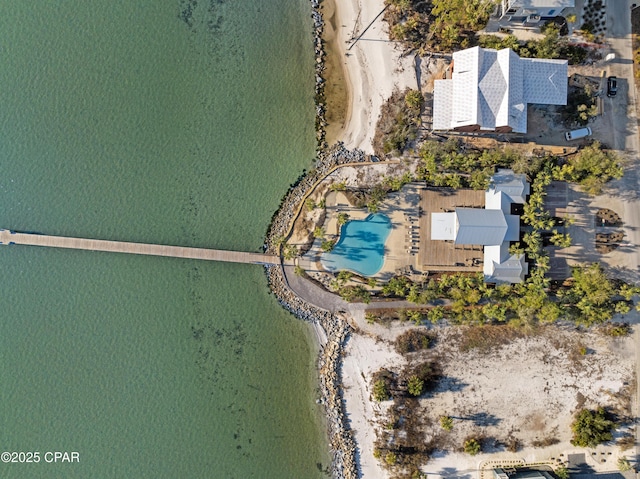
(361, 246)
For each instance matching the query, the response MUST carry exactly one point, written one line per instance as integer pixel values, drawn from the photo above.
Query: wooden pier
(8, 237)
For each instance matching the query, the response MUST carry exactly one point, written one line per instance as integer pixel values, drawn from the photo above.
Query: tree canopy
(592, 167)
(591, 428)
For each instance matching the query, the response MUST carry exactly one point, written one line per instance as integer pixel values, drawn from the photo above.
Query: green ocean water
(169, 122)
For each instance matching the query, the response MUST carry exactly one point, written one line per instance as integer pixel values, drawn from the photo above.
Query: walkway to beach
(9, 237)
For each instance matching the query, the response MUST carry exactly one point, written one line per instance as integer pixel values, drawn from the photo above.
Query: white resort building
(492, 227)
(489, 90)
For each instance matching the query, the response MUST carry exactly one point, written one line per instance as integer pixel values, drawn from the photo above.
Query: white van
(577, 134)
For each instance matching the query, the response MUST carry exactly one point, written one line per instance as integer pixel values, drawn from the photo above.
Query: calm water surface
(161, 121)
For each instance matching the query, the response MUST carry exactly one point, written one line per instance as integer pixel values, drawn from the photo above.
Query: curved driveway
(321, 298)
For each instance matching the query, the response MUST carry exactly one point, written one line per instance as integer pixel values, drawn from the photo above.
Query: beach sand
(336, 89)
(373, 68)
(370, 71)
(363, 357)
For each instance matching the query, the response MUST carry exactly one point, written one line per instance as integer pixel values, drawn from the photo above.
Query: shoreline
(338, 90)
(365, 93)
(373, 68)
(335, 327)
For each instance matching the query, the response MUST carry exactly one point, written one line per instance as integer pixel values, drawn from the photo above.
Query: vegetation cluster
(592, 427)
(437, 25)
(552, 45)
(403, 437)
(398, 123)
(450, 25)
(454, 164)
(581, 106)
(587, 298)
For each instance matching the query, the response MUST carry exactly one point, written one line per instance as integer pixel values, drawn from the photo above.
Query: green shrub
(562, 472)
(415, 386)
(446, 423)
(391, 458)
(327, 245)
(472, 446)
(380, 390)
(342, 218)
(413, 340)
(591, 428)
(310, 204)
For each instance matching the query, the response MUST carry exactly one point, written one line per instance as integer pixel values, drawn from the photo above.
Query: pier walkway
(8, 237)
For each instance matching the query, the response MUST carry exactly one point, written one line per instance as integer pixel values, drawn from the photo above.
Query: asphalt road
(621, 121)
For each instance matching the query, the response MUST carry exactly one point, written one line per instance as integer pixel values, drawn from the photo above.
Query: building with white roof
(489, 90)
(514, 10)
(493, 227)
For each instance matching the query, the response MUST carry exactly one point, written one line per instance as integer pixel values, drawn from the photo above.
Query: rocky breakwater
(336, 328)
(343, 447)
(326, 161)
(318, 28)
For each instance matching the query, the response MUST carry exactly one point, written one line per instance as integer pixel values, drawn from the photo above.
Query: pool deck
(436, 255)
(408, 249)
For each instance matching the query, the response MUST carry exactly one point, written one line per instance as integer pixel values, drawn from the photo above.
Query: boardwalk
(9, 237)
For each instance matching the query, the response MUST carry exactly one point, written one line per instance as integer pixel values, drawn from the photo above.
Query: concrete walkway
(321, 298)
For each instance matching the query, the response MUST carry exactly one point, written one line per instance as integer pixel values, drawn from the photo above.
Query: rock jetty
(336, 328)
(318, 45)
(343, 447)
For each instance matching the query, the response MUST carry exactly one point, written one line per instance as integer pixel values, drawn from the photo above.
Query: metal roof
(491, 88)
(509, 269)
(516, 187)
(492, 227)
(545, 81)
(543, 3)
(480, 226)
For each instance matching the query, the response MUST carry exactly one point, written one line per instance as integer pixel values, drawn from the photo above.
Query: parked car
(577, 134)
(612, 86)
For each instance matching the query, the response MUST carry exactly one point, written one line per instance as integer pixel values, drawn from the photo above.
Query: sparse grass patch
(626, 442)
(616, 329)
(486, 337)
(413, 340)
(577, 352)
(513, 444)
(546, 442)
(398, 123)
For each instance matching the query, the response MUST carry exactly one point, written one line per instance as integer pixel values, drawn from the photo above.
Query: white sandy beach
(374, 68)
(363, 356)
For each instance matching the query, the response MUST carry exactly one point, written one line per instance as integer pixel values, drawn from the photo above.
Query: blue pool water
(361, 246)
